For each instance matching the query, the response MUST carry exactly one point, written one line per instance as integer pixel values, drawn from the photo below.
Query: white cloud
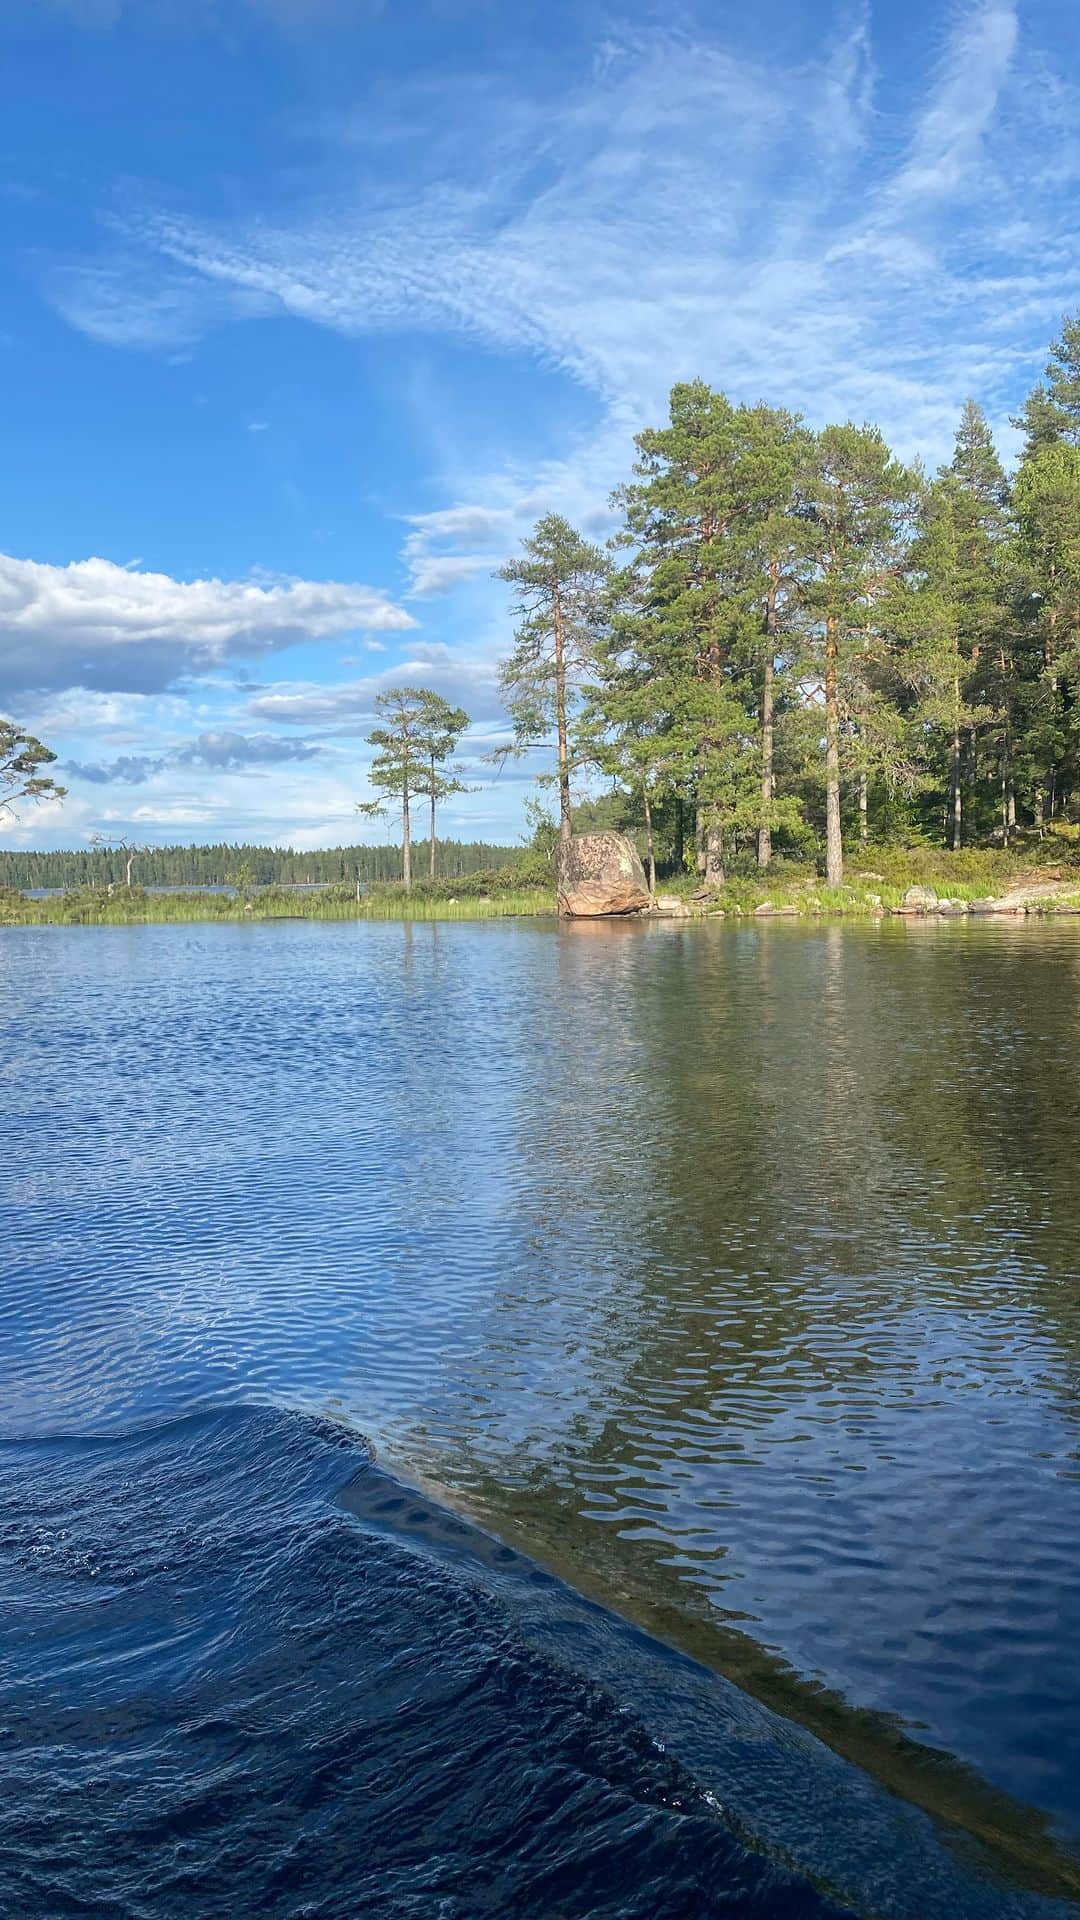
(223, 750)
(468, 680)
(123, 302)
(681, 212)
(950, 130)
(440, 553)
(98, 625)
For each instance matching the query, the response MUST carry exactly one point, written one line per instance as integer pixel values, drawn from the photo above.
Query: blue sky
(312, 307)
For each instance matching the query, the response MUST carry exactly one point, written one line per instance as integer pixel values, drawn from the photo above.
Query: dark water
(731, 1275)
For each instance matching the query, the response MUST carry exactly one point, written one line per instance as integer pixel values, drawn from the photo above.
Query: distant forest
(262, 866)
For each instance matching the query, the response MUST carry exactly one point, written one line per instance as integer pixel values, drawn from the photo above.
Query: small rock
(919, 900)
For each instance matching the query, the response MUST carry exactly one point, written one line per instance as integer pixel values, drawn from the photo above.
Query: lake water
(727, 1276)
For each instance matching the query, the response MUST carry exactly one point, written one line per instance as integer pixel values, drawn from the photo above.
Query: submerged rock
(598, 873)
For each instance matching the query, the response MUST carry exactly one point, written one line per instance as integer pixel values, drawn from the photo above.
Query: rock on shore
(598, 873)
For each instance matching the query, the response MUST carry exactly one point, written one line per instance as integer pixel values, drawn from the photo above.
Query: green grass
(85, 907)
(876, 881)
(877, 878)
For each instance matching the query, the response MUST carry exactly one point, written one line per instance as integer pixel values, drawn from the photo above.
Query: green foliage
(1051, 412)
(503, 894)
(811, 647)
(413, 750)
(212, 866)
(22, 758)
(558, 581)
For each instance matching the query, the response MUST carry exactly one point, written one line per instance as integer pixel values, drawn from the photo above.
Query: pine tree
(399, 763)
(558, 582)
(681, 512)
(22, 758)
(858, 502)
(440, 728)
(1047, 498)
(979, 496)
(771, 563)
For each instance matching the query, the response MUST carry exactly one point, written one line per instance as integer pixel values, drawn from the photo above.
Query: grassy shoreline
(124, 907)
(1043, 878)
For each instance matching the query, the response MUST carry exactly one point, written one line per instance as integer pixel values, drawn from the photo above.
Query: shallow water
(729, 1273)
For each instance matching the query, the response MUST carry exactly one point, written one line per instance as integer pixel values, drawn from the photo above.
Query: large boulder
(598, 873)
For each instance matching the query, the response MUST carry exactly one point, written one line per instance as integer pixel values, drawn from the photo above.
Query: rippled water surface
(729, 1274)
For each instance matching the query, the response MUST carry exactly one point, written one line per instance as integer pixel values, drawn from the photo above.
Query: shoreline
(184, 910)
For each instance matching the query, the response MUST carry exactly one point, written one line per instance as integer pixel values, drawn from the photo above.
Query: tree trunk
(864, 801)
(834, 844)
(680, 834)
(130, 864)
(1008, 803)
(650, 852)
(714, 857)
(955, 827)
(764, 838)
(406, 837)
(565, 823)
(432, 867)
(699, 841)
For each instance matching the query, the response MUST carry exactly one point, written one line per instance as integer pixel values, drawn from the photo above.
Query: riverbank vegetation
(798, 667)
(523, 884)
(798, 645)
(1045, 871)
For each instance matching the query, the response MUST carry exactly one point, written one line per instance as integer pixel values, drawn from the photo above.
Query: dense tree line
(219, 865)
(797, 640)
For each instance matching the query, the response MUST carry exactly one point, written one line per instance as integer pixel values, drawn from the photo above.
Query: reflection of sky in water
(747, 1254)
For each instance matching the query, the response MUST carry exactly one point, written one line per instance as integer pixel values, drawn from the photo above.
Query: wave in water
(225, 1689)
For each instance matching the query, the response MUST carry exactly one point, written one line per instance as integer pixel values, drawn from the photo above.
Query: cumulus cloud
(469, 681)
(97, 625)
(127, 770)
(224, 752)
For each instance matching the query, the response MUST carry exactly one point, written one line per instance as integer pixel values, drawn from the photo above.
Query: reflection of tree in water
(778, 1241)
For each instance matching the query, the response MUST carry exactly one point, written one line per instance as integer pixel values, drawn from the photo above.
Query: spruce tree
(1051, 412)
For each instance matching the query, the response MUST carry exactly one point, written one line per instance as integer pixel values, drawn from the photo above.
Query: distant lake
(727, 1274)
